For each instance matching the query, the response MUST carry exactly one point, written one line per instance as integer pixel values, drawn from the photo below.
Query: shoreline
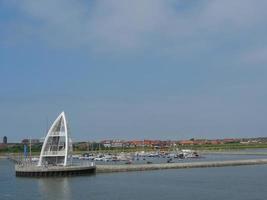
(235, 152)
(248, 151)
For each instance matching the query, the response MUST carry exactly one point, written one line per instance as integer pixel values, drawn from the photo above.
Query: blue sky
(159, 69)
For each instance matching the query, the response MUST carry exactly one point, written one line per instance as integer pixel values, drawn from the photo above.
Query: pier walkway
(145, 167)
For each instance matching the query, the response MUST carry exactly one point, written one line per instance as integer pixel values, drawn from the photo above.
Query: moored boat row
(118, 157)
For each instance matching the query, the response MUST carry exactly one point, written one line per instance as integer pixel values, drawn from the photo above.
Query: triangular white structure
(57, 146)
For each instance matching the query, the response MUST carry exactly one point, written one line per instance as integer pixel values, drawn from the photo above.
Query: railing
(57, 133)
(54, 153)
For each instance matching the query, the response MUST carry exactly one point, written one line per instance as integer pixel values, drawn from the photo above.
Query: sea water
(237, 183)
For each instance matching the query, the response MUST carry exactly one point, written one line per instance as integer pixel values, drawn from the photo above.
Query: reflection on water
(55, 188)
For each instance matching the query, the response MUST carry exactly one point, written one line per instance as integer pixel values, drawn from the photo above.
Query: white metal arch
(56, 146)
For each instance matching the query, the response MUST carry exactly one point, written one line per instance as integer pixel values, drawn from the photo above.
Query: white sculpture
(57, 146)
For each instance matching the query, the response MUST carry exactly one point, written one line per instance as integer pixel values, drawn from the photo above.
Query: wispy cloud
(126, 25)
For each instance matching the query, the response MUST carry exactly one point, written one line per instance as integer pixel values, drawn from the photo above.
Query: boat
(188, 153)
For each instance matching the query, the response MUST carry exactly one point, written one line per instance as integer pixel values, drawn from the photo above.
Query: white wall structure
(57, 146)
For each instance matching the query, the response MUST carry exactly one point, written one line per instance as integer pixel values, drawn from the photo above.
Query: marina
(85, 167)
(57, 158)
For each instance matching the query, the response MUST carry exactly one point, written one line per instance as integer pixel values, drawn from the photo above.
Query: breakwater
(146, 167)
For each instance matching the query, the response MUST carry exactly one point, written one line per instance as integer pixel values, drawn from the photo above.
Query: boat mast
(30, 149)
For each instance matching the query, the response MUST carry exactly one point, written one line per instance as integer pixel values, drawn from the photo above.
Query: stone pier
(146, 167)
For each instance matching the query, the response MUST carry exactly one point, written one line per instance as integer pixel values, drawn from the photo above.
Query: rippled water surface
(239, 183)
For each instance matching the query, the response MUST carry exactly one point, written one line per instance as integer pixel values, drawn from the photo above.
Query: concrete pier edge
(162, 166)
(35, 171)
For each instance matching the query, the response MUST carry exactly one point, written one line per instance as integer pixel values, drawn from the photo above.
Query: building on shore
(113, 143)
(32, 141)
(5, 140)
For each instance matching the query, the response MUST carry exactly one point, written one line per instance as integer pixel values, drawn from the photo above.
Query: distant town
(213, 144)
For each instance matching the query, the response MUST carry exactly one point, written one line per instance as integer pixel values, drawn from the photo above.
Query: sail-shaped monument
(56, 155)
(57, 146)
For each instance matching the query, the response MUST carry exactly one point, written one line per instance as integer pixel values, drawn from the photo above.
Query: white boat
(188, 153)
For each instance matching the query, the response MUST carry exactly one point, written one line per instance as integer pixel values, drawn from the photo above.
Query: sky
(134, 69)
